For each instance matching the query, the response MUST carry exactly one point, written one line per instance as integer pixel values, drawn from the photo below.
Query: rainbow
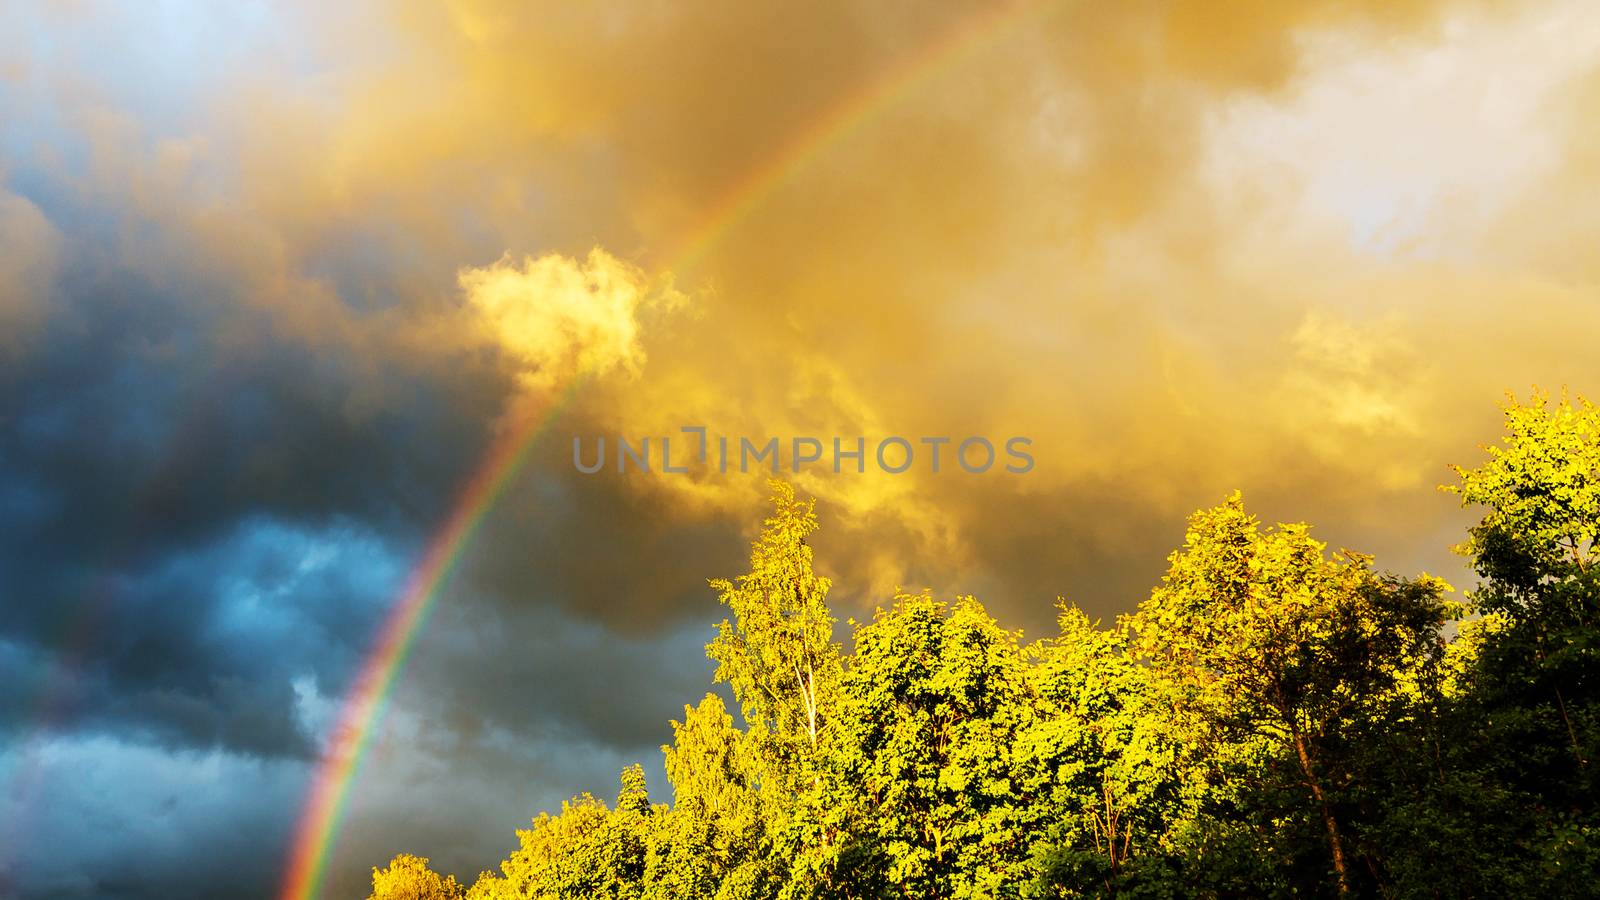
(838, 122)
(363, 706)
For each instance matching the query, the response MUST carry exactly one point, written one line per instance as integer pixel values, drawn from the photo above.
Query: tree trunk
(1572, 734)
(1561, 704)
(808, 699)
(1328, 823)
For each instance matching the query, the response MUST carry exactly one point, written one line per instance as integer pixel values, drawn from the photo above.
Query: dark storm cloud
(201, 649)
(201, 825)
(538, 672)
(148, 457)
(620, 551)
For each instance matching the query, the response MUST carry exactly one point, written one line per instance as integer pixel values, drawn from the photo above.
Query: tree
(919, 791)
(1536, 551)
(711, 843)
(409, 878)
(1265, 637)
(1527, 721)
(1103, 763)
(778, 652)
(587, 851)
(1541, 487)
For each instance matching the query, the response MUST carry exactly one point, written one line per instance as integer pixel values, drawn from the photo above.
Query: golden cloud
(1184, 247)
(558, 318)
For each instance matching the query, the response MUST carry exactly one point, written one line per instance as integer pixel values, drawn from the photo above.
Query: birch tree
(777, 651)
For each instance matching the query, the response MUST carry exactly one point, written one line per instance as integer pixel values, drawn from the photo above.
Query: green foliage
(587, 850)
(1274, 720)
(1525, 725)
(1542, 490)
(1268, 644)
(1104, 763)
(409, 878)
(778, 652)
(712, 842)
(918, 791)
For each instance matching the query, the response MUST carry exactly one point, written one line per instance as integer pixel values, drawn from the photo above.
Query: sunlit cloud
(558, 317)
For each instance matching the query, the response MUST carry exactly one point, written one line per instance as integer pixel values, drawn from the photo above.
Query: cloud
(27, 268)
(199, 824)
(559, 318)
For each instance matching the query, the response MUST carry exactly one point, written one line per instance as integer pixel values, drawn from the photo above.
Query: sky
(276, 281)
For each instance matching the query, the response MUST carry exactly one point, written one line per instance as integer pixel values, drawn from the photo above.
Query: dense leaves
(1273, 720)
